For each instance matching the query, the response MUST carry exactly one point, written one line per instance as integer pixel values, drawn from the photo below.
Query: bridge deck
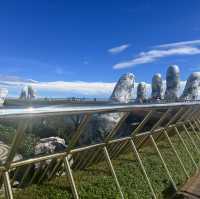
(191, 190)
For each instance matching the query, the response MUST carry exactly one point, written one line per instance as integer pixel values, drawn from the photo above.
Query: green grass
(96, 182)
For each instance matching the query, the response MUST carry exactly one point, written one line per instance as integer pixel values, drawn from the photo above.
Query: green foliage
(52, 126)
(27, 145)
(96, 182)
(6, 134)
(28, 141)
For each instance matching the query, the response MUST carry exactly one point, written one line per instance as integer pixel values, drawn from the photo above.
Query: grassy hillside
(96, 182)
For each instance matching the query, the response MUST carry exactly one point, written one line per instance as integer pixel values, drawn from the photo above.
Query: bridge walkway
(191, 190)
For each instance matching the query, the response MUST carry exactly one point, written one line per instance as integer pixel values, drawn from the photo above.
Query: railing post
(136, 130)
(119, 149)
(193, 142)
(7, 186)
(113, 171)
(196, 124)
(195, 132)
(176, 154)
(163, 162)
(72, 143)
(185, 115)
(16, 141)
(107, 138)
(79, 131)
(15, 144)
(159, 122)
(134, 149)
(185, 146)
(71, 178)
(197, 119)
(142, 123)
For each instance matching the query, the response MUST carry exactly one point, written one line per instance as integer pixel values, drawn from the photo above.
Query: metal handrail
(170, 116)
(66, 110)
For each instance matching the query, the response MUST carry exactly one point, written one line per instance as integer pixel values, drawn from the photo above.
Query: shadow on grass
(169, 192)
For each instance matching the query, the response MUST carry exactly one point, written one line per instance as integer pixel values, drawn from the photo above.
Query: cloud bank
(58, 88)
(61, 89)
(161, 51)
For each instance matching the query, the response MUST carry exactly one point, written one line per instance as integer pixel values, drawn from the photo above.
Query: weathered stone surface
(31, 93)
(101, 124)
(3, 95)
(157, 87)
(123, 89)
(17, 157)
(172, 83)
(191, 90)
(44, 146)
(27, 93)
(23, 94)
(141, 93)
(50, 145)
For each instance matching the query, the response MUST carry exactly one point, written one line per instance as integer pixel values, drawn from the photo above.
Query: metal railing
(155, 120)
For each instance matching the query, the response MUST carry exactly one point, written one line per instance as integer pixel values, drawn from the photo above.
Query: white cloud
(160, 51)
(118, 49)
(69, 89)
(81, 87)
(61, 88)
(153, 55)
(178, 44)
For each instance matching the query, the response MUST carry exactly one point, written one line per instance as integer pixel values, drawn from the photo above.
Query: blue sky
(82, 47)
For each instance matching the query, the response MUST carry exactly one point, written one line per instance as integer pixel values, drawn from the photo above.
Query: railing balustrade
(148, 123)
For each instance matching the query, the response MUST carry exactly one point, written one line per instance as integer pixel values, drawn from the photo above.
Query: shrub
(26, 147)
